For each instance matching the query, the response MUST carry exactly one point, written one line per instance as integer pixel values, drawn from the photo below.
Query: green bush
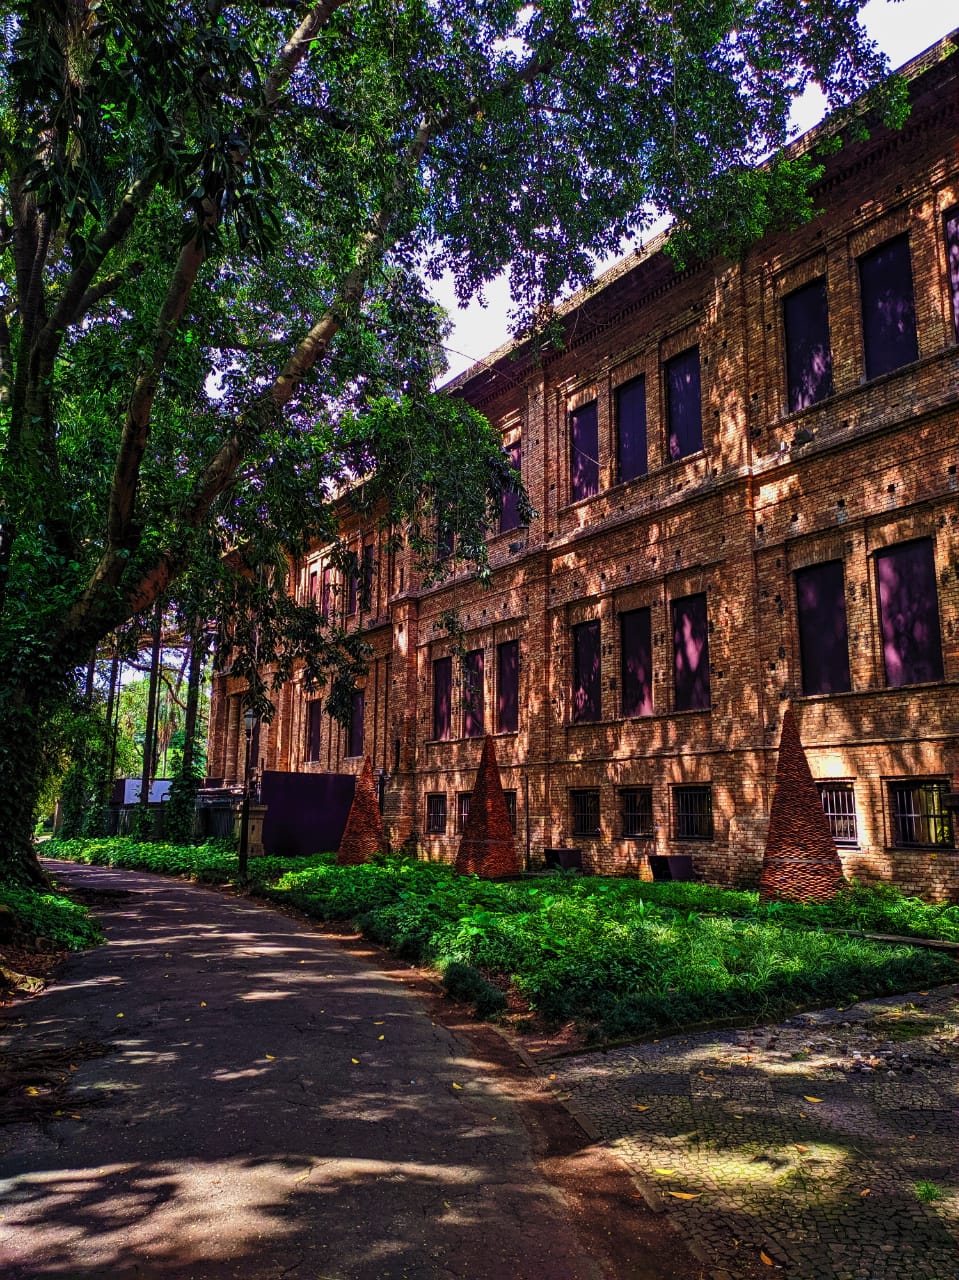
(463, 982)
(52, 916)
(622, 956)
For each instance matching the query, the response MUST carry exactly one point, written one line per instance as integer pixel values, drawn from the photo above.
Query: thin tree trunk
(150, 733)
(194, 678)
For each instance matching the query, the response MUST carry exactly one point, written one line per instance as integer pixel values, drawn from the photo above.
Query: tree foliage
(215, 219)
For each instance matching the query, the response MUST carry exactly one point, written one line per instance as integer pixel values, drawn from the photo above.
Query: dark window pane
(691, 653)
(637, 811)
(693, 813)
(436, 814)
(509, 513)
(366, 577)
(357, 711)
(636, 662)
(909, 613)
(314, 713)
(326, 593)
(839, 806)
(808, 352)
(444, 538)
(823, 642)
(888, 307)
(507, 687)
(584, 451)
(919, 815)
(442, 698)
(510, 798)
(314, 584)
(631, 429)
(951, 226)
(587, 673)
(585, 812)
(353, 587)
(474, 722)
(684, 404)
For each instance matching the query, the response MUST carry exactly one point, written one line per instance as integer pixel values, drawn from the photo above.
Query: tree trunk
(150, 733)
(197, 656)
(21, 772)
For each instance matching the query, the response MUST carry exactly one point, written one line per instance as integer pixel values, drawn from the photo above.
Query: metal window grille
(919, 816)
(585, 806)
(637, 811)
(436, 813)
(462, 809)
(839, 806)
(693, 813)
(510, 798)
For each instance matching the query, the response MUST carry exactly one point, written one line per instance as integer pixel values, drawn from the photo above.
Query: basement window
(637, 811)
(436, 813)
(584, 808)
(839, 806)
(919, 815)
(693, 813)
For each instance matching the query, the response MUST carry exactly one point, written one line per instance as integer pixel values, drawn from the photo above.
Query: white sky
(902, 28)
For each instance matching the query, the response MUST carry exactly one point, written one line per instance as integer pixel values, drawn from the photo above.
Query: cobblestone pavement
(828, 1143)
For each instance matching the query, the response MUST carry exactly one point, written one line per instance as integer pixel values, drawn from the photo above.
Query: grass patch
(927, 1192)
(68, 925)
(624, 956)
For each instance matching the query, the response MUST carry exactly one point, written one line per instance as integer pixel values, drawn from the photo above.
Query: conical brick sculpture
(800, 863)
(488, 847)
(364, 827)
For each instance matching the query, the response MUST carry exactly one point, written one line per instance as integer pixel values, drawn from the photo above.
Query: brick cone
(488, 846)
(800, 863)
(364, 827)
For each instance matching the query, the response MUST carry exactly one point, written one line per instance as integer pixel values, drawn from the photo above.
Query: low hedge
(623, 956)
(66, 924)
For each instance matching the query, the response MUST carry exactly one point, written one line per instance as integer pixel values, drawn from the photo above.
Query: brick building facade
(745, 475)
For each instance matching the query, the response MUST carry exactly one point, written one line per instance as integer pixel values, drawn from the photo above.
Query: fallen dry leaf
(381, 1037)
(270, 1057)
(376, 1024)
(685, 1195)
(202, 1004)
(809, 1099)
(867, 1192)
(33, 1091)
(666, 1173)
(799, 1146)
(457, 1086)
(119, 1015)
(764, 1257)
(355, 1061)
(638, 1107)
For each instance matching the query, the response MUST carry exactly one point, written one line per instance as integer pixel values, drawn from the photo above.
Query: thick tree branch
(6, 360)
(69, 310)
(295, 49)
(106, 287)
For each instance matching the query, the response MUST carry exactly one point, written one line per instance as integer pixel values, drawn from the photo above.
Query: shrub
(463, 982)
(50, 915)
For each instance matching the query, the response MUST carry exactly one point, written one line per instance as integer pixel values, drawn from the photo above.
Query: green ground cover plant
(621, 956)
(66, 924)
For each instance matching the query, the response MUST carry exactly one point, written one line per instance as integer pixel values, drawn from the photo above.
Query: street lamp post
(248, 720)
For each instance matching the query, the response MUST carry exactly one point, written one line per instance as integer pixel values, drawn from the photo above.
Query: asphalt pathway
(241, 1097)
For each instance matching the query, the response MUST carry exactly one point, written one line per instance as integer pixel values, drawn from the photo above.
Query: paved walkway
(829, 1143)
(222, 1092)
